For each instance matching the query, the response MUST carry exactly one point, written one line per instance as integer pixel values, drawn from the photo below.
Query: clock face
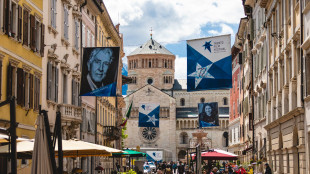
(149, 133)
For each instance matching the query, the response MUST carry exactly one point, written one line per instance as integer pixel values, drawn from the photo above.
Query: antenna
(151, 32)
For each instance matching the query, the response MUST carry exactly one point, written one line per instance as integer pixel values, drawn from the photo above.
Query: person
(251, 171)
(268, 169)
(181, 168)
(97, 68)
(241, 170)
(117, 166)
(174, 167)
(159, 171)
(230, 170)
(214, 170)
(208, 115)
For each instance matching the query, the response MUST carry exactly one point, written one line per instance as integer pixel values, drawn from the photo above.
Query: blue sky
(173, 22)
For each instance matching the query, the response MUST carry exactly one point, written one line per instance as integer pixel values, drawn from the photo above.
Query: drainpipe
(301, 53)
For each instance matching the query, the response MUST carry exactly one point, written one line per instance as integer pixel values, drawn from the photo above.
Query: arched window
(183, 138)
(182, 102)
(167, 80)
(224, 101)
(202, 100)
(181, 154)
(225, 136)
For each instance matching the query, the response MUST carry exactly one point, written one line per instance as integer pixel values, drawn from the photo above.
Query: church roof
(151, 47)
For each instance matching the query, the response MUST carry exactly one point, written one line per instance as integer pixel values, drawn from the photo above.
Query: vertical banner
(208, 114)
(149, 115)
(154, 156)
(99, 71)
(209, 63)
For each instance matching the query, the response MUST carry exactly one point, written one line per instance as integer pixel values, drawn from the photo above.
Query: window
(65, 89)
(225, 101)
(25, 27)
(183, 138)
(11, 81)
(66, 22)
(93, 40)
(76, 34)
(182, 102)
(150, 81)
(88, 38)
(75, 93)
(52, 82)
(83, 35)
(53, 13)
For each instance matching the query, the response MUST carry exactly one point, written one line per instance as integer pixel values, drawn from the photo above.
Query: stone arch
(181, 154)
(183, 138)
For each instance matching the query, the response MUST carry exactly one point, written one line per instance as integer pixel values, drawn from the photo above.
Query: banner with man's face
(99, 71)
(208, 114)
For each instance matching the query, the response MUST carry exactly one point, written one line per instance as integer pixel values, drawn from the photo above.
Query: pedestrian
(117, 166)
(159, 171)
(251, 171)
(214, 170)
(181, 168)
(241, 170)
(174, 167)
(230, 170)
(268, 169)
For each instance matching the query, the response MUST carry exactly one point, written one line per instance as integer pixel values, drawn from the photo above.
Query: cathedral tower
(153, 64)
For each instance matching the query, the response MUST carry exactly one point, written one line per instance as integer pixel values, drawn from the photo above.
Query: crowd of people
(172, 168)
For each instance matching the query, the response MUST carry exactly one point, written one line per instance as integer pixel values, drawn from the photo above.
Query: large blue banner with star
(149, 115)
(209, 63)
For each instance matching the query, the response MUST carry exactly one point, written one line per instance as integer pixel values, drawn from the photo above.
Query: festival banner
(99, 71)
(149, 115)
(208, 114)
(209, 63)
(154, 156)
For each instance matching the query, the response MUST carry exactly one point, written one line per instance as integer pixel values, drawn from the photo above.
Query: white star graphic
(152, 119)
(200, 73)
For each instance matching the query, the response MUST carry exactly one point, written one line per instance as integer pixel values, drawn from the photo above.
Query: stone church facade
(151, 66)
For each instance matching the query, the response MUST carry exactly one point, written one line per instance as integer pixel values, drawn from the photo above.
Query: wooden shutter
(37, 91)
(56, 84)
(49, 80)
(20, 22)
(4, 15)
(30, 91)
(24, 89)
(42, 39)
(0, 79)
(25, 27)
(9, 81)
(32, 32)
(20, 78)
(73, 92)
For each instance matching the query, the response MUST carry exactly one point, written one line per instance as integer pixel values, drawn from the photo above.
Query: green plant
(124, 136)
(238, 162)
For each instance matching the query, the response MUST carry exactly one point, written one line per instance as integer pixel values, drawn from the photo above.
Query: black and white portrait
(208, 114)
(99, 73)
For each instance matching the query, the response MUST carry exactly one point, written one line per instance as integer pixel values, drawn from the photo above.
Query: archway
(181, 154)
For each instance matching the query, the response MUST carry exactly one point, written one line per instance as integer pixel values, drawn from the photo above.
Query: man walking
(268, 169)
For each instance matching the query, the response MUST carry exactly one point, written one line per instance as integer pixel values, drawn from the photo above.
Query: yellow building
(21, 49)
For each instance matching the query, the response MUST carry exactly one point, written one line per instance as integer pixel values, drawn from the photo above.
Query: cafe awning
(129, 153)
(217, 154)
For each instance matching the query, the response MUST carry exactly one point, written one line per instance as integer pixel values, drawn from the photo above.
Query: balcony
(70, 112)
(111, 132)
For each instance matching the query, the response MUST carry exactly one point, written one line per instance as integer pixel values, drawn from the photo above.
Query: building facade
(151, 66)
(21, 51)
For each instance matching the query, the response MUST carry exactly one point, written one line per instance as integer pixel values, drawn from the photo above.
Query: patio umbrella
(41, 162)
(217, 154)
(130, 153)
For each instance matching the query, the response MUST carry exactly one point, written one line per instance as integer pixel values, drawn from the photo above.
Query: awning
(71, 148)
(129, 153)
(217, 154)
(5, 139)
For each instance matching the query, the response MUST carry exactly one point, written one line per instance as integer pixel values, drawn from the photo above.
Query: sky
(173, 22)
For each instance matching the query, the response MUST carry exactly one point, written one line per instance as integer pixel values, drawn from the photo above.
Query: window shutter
(20, 22)
(30, 91)
(42, 39)
(38, 93)
(49, 80)
(73, 92)
(65, 22)
(25, 28)
(32, 33)
(24, 88)
(77, 103)
(20, 77)
(52, 13)
(5, 7)
(56, 84)
(9, 81)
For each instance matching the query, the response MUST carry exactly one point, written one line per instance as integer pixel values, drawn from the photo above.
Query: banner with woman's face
(208, 114)
(99, 73)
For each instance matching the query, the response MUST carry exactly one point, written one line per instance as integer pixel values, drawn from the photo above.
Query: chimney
(117, 27)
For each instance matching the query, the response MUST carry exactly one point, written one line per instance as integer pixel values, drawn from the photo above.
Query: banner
(99, 71)
(209, 63)
(154, 156)
(208, 114)
(149, 115)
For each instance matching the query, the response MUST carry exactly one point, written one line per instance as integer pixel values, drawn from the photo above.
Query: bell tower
(151, 63)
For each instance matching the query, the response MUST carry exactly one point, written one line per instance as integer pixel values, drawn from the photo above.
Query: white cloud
(180, 68)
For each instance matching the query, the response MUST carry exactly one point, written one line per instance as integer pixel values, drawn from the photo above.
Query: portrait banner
(99, 71)
(149, 115)
(209, 63)
(208, 114)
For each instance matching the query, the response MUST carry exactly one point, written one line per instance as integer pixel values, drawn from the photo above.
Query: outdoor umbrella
(217, 154)
(41, 162)
(130, 153)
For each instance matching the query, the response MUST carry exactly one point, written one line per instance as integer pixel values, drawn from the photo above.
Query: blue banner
(209, 63)
(149, 115)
